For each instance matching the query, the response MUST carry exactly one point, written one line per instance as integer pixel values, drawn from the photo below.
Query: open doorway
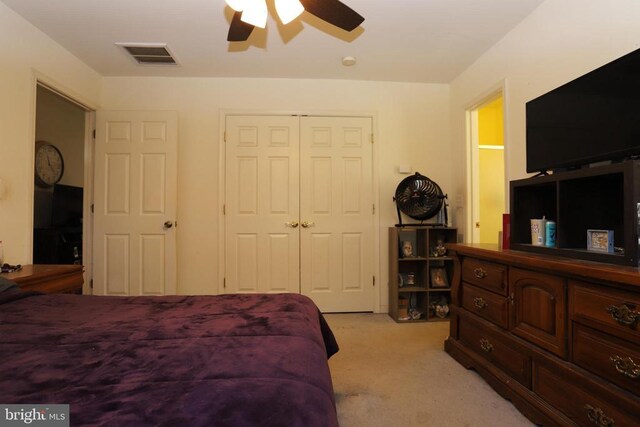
(58, 199)
(487, 169)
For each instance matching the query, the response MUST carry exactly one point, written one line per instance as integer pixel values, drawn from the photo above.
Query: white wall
(559, 41)
(412, 128)
(24, 53)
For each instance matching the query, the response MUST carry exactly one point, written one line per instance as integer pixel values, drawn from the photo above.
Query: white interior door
(336, 212)
(262, 207)
(135, 203)
(299, 208)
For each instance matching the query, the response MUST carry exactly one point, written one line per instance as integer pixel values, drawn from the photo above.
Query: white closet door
(336, 203)
(134, 240)
(262, 206)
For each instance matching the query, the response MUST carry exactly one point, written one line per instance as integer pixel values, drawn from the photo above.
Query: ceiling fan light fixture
(237, 5)
(255, 13)
(288, 10)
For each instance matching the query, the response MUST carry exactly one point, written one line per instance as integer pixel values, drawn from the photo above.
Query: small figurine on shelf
(415, 314)
(439, 249)
(407, 249)
(411, 279)
(442, 311)
(440, 307)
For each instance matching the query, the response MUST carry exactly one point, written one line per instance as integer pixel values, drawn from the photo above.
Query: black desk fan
(420, 198)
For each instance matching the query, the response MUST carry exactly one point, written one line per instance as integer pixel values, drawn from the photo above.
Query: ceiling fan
(253, 13)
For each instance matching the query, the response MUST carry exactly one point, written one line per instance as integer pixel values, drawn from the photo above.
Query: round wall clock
(49, 165)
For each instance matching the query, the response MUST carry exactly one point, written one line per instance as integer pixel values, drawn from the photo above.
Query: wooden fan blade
(334, 12)
(239, 31)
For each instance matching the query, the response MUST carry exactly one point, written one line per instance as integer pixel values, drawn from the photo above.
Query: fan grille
(419, 197)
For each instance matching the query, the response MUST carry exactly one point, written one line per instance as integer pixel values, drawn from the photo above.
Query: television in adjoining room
(593, 118)
(67, 206)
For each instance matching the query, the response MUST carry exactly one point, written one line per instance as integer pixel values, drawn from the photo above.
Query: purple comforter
(228, 360)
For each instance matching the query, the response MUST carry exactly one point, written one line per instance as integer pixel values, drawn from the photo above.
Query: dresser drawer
(496, 347)
(585, 401)
(485, 304)
(617, 311)
(611, 358)
(487, 275)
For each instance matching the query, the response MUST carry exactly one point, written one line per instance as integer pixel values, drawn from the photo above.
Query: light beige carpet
(389, 374)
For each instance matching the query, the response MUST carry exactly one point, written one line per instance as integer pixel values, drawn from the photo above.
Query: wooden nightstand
(47, 278)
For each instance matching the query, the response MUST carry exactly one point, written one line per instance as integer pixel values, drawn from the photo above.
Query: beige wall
(559, 41)
(61, 123)
(26, 52)
(412, 123)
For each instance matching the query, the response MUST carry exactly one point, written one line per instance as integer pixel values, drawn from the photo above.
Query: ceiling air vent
(149, 53)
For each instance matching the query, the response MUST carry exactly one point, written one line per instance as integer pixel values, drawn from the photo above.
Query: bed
(228, 360)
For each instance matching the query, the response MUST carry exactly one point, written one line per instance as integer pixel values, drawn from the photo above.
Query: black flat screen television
(67, 206)
(593, 118)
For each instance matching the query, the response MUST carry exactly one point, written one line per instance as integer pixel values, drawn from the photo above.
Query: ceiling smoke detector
(348, 61)
(149, 53)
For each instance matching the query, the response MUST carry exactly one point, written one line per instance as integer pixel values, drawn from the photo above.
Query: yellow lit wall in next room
(491, 170)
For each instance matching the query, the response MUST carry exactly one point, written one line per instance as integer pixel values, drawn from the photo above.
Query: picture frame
(439, 277)
(600, 241)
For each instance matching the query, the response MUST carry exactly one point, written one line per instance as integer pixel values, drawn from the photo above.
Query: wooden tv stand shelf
(558, 337)
(48, 278)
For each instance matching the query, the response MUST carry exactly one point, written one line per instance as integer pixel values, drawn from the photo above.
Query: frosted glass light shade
(288, 10)
(255, 13)
(237, 5)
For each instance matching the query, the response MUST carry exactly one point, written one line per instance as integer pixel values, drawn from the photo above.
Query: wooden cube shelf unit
(419, 279)
(598, 198)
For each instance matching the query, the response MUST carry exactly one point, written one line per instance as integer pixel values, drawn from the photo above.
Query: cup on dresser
(538, 231)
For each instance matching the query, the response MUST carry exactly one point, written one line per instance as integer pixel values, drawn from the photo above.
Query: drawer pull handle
(486, 345)
(480, 303)
(626, 366)
(598, 417)
(623, 314)
(480, 273)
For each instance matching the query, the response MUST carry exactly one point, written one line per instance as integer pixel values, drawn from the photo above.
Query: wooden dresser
(50, 279)
(559, 338)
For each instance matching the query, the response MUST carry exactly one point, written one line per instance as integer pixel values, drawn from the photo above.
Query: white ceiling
(428, 41)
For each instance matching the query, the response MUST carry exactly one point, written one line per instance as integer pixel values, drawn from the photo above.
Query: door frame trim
(41, 79)
(378, 288)
(471, 182)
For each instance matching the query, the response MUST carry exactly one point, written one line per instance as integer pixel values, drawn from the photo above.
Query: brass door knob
(292, 224)
(307, 224)
(168, 224)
